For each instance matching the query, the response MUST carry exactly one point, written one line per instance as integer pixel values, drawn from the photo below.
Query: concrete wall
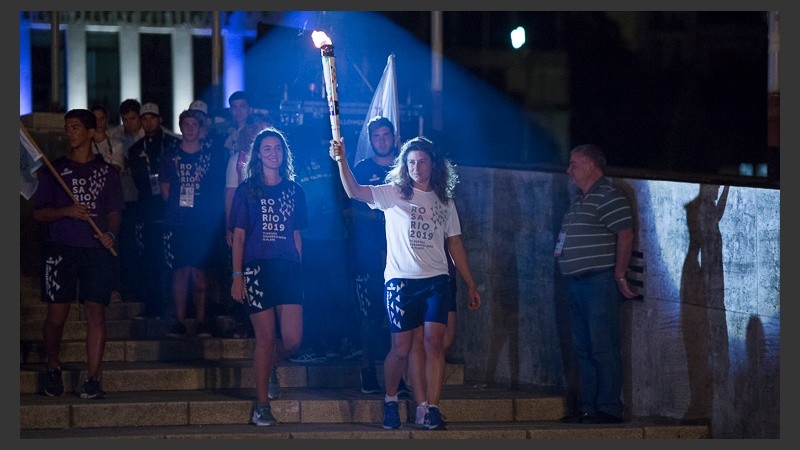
(701, 344)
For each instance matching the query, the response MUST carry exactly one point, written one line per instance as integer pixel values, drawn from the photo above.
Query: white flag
(29, 162)
(384, 103)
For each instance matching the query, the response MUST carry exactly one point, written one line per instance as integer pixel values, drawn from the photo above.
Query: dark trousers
(126, 280)
(594, 312)
(155, 278)
(329, 314)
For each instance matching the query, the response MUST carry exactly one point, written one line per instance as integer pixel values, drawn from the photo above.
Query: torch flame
(320, 39)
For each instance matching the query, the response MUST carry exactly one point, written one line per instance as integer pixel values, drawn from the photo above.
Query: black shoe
(91, 389)
(402, 390)
(578, 417)
(204, 329)
(602, 417)
(178, 330)
(242, 331)
(53, 385)
(369, 381)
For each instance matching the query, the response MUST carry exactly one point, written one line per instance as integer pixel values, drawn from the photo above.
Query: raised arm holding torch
(323, 42)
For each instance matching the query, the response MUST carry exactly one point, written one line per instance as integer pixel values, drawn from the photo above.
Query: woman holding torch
(421, 217)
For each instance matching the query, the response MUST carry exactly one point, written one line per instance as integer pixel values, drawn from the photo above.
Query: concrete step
(539, 430)
(202, 388)
(296, 405)
(34, 314)
(489, 413)
(164, 349)
(126, 376)
(31, 330)
(121, 324)
(29, 290)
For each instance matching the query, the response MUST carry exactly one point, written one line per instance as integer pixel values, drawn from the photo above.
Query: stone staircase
(202, 388)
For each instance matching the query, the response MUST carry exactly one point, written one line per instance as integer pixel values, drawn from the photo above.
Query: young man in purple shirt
(82, 227)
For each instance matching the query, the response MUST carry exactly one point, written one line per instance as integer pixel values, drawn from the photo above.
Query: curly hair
(443, 174)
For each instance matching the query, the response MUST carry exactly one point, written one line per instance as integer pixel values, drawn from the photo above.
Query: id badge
(187, 197)
(155, 189)
(560, 244)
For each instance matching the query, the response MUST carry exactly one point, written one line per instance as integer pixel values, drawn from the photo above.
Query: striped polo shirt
(591, 226)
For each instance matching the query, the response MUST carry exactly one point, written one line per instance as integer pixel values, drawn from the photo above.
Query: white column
(182, 72)
(130, 65)
(436, 69)
(233, 53)
(55, 63)
(25, 70)
(77, 91)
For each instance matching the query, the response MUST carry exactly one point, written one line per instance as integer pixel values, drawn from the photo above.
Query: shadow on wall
(505, 296)
(751, 389)
(703, 313)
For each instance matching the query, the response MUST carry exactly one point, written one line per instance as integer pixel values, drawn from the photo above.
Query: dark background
(683, 95)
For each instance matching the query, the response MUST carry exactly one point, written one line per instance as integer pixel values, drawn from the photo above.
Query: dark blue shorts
(66, 269)
(369, 289)
(189, 246)
(272, 282)
(411, 302)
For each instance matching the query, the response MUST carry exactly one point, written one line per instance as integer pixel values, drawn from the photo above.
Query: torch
(323, 42)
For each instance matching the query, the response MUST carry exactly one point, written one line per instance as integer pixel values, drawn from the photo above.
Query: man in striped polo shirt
(593, 250)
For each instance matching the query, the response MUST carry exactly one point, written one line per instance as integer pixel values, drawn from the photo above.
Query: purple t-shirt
(269, 221)
(94, 184)
(196, 187)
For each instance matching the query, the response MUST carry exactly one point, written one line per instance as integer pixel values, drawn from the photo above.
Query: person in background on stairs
(191, 177)
(421, 216)
(593, 251)
(268, 212)
(128, 132)
(144, 159)
(329, 313)
(112, 152)
(368, 253)
(74, 253)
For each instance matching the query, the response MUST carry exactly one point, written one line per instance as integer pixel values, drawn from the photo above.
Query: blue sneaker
(434, 420)
(391, 415)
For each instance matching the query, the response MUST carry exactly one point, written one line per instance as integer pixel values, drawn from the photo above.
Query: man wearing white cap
(219, 271)
(210, 137)
(143, 160)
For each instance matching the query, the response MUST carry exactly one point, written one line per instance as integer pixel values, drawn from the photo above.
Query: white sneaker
(419, 419)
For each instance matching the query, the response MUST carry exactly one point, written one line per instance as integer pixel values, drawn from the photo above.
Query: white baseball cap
(199, 105)
(149, 108)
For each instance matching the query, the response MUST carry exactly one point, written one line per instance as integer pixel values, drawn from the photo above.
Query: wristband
(621, 279)
(235, 274)
(113, 236)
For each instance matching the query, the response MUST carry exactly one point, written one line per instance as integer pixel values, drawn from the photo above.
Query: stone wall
(701, 344)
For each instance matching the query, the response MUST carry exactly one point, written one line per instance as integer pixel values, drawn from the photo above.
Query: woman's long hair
(254, 170)
(443, 174)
